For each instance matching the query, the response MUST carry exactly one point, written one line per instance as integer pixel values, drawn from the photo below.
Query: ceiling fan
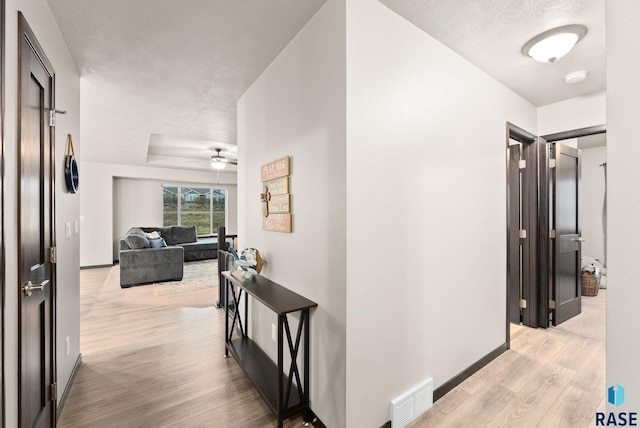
(218, 161)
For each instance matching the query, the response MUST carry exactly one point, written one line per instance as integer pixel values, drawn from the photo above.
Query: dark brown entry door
(36, 273)
(565, 286)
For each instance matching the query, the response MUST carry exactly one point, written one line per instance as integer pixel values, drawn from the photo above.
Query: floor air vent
(411, 404)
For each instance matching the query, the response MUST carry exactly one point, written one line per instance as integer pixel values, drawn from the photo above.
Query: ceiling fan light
(555, 43)
(216, 164)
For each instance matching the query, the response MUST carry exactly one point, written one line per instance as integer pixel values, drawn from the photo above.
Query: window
(201, 207)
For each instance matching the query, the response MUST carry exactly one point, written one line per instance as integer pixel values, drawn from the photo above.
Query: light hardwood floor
(146, 365)
(549, 378)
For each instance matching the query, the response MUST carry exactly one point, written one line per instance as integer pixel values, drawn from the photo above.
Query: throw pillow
(152, 235)
(136, 242)
(157, 243)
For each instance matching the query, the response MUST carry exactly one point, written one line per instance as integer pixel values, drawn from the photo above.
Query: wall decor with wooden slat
(275, 196)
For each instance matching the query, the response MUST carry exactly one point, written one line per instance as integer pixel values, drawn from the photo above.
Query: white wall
(97, 205)
(623, 222)
(575, 113)
(297, 108)
(136, 203)
(593, 202)
(426, 210)
(41, 21)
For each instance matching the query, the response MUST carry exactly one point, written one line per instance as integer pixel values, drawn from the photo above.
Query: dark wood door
(514, 249)
(522, 226)
(35, 212)
(566, 285)
(2, 253)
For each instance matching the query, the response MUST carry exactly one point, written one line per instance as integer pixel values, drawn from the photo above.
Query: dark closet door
(566, 286)
(36, 352)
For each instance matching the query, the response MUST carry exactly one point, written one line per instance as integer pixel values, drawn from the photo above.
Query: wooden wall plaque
(280, 204)
(277, 223)
(276, 169)
(278, 186)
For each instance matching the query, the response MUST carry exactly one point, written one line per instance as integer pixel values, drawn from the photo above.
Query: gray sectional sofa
(144, 260)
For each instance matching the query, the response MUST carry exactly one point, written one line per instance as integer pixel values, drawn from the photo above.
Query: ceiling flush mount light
(555, 43)
(576, 76)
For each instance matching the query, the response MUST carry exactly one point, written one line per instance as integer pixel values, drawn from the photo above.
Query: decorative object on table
(71, 167)
(275, 197)
(250, 261)
(233, 251)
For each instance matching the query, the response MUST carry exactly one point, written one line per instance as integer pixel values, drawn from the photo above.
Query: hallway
(551, 377)
(151, 365)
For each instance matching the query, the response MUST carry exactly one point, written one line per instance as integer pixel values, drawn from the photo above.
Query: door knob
(29, 288)
(580, 239)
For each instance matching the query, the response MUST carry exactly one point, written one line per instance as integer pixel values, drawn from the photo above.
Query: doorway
(544, 235)
(582, 152)
(36, 234)
(524, 211)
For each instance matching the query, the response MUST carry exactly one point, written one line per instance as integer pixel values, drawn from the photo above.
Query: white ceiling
(161, 78)
(491, 34)
(170, 68)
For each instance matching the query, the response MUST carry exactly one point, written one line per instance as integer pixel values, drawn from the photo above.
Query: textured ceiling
(160, 78)
(491, 34)
(170, 68)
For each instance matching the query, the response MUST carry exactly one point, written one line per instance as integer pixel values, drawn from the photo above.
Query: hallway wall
(623, 222)
(426, 210)
(44, 26)
(297, 108)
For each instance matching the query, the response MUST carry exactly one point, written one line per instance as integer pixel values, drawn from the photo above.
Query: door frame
(524, 210)
(25, 32)
(2, 251)
(536, 151)
(545, 242)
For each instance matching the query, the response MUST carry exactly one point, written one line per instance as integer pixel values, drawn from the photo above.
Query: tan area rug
(198, 288)
(197, 276)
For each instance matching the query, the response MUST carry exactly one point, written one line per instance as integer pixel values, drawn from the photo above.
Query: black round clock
(71, 174)
(71, 168)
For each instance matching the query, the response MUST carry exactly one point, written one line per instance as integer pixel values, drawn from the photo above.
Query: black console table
(285, 396)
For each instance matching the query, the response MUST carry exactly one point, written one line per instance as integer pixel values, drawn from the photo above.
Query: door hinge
(523, 304)
(52, 116)
(552, 163)
(53, 255)
(522, 164)
(53, 392)
(522, 233)
(552, 304)
(552, 234)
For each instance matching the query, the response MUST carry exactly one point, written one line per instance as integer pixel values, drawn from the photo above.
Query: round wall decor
(71, 168)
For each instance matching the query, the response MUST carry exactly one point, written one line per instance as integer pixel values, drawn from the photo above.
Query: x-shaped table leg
(293, 351)
(236, 315)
